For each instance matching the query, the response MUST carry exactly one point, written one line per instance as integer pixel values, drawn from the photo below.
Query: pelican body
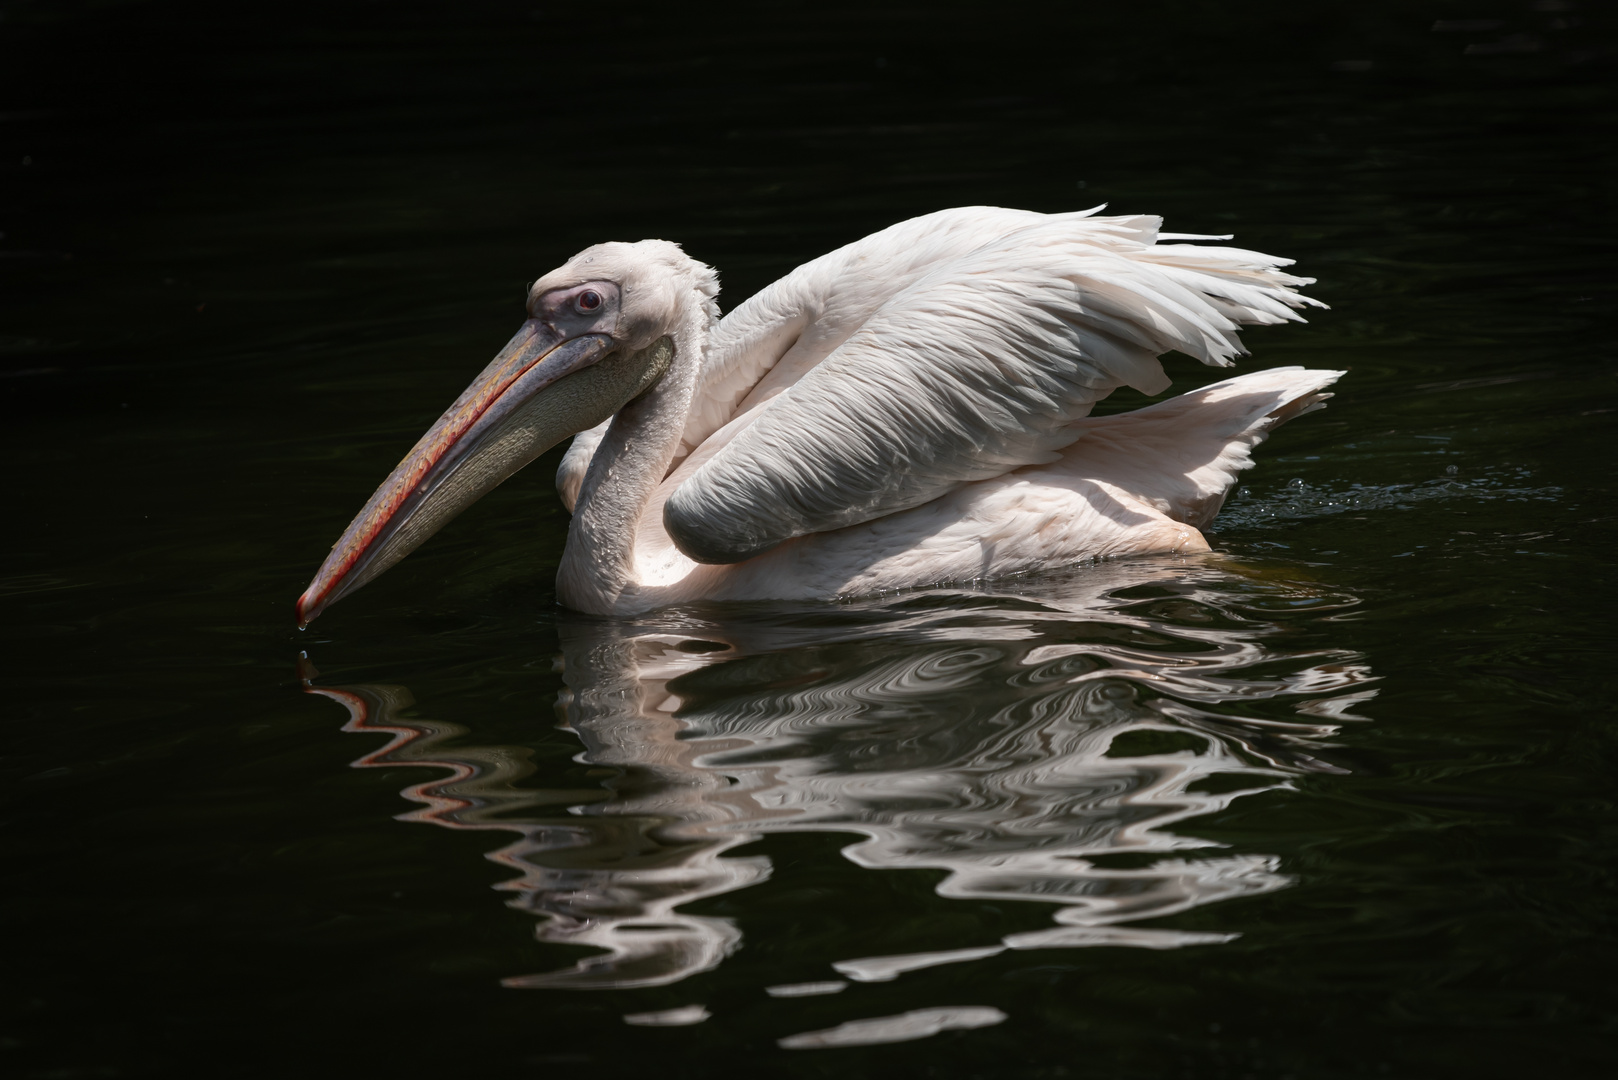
(911, 409)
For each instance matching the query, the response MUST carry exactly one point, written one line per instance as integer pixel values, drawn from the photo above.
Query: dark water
(1336, 800)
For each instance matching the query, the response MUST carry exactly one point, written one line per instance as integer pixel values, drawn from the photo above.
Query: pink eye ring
(588, 300)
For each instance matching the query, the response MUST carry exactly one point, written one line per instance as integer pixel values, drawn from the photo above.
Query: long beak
(537, 392)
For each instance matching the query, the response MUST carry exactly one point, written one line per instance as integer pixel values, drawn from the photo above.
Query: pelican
(910, 409)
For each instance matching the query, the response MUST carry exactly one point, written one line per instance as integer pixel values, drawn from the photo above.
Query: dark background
(160, 156)
(249, 252)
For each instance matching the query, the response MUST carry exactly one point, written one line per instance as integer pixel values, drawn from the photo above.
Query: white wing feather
(979, 362)
(1139, 482)
(816, 307)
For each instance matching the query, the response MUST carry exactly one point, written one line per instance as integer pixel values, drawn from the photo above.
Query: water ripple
(1300, 501)
(1047, 744)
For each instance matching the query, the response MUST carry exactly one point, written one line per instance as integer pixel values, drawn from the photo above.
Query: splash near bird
(911, 409)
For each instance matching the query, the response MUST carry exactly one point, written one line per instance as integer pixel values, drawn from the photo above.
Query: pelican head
(602, 329)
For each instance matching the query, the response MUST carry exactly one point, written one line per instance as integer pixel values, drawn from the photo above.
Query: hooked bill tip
(301, 610)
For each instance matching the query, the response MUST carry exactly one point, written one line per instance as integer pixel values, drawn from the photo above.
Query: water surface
(1334, 800)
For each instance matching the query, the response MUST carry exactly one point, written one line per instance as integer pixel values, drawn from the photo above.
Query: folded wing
(977, 363)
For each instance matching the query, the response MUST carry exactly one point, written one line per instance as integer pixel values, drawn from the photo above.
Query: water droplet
(1451, 470)
(1296, 484)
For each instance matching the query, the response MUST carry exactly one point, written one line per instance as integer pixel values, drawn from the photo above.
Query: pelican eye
(588, 300)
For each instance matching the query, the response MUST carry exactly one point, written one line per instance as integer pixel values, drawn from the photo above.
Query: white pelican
(907, 410)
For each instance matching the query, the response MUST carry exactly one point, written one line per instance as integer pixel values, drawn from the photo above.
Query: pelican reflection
(1046, 745)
